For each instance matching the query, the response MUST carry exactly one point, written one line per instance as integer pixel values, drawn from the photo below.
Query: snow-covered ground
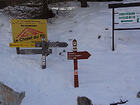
(105, 77)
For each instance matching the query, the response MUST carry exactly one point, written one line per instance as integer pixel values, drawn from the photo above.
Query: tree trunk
(84, 3)
(46, 12)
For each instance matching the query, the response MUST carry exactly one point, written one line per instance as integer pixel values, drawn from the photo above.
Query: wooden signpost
(32, 33)
(75, 56)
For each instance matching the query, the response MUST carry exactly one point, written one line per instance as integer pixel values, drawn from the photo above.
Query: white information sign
(128, 17)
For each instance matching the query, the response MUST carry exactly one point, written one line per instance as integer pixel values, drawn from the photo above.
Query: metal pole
(113, 19)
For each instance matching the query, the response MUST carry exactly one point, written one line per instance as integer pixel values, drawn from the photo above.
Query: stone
(138, 94)
(83, 101)
(9, 97)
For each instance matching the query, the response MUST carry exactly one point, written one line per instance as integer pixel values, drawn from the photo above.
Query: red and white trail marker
(75, 56)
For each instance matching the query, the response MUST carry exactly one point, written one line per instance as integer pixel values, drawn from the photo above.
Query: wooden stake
(43, 52)
(76, 81)
(75, 56)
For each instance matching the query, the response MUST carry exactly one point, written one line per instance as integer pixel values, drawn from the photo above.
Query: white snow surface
(105, 77)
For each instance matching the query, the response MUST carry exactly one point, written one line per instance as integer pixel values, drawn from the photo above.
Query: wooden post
(18, 50)
(76, 82)
(43, 52)
(113, 27)
(84, 3)
(75, 56)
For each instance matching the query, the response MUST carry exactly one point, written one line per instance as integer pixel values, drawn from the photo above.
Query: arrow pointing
(78, 55)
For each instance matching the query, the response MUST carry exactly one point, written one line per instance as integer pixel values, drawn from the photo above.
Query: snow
(105, 77)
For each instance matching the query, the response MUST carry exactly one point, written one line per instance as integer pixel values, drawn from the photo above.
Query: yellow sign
(25, 45)
(28, 31)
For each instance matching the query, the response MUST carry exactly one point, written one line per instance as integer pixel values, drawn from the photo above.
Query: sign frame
(28, 31)
(113, 7)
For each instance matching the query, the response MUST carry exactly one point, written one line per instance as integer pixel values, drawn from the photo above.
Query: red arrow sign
(75, 56)
(78, 55)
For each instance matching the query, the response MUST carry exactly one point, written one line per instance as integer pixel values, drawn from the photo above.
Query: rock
(70, 30)
(64, 50)
(138, 94)
(83, 101)
(60, 53)
(99, 36)
(106, 28)
(9, 97)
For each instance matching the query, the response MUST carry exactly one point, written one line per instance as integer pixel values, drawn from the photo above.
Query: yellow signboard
(25, 45)
(28, 31)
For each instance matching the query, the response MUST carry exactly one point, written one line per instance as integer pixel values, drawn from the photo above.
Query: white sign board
(128, 17)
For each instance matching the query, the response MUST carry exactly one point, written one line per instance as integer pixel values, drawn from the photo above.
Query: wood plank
(122, 5)
(23, 45)
(127, 29)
